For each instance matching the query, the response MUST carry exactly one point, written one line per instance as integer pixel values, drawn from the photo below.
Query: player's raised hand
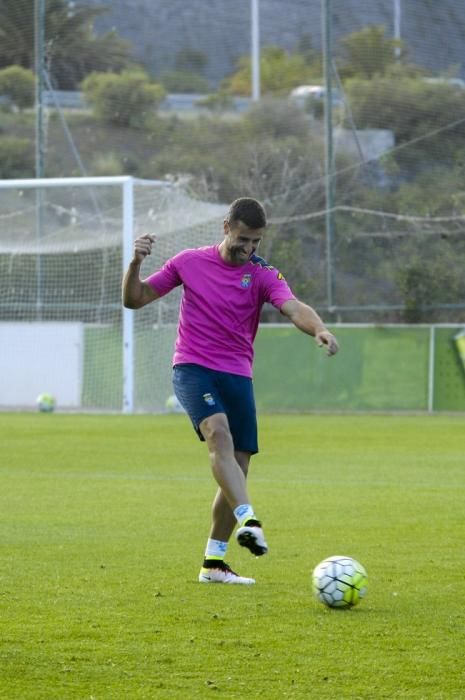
(327, 340)
(143, 247)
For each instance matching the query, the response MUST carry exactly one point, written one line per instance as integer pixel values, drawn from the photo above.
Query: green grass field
(104, 521)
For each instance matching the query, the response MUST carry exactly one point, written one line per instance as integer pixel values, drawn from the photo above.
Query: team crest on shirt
(246, 280)
(281, 276)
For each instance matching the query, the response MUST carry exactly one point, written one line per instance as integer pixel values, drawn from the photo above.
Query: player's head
(243, 230)
(247, 210)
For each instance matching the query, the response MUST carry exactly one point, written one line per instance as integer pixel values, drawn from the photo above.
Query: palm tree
(72, 49)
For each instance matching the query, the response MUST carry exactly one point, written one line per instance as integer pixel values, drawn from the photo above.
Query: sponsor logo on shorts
(208, 398)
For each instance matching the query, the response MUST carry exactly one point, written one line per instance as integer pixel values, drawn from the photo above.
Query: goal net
(64, 245)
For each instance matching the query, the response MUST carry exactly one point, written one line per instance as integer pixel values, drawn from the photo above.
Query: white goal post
(64, 245)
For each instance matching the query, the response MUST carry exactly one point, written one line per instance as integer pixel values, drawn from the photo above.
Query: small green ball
(46, 403)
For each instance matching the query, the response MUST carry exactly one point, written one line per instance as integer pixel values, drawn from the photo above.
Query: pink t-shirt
(220, 306)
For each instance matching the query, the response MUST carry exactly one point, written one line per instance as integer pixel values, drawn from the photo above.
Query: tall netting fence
(234, 99)
(378, 266)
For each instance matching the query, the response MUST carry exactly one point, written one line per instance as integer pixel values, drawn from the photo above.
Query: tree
(368, 52)
(188, 75)
(183, 81)
(19, 85)
(306, 49)
(72, 50)
(124, 99)
(16, 158)
(430, 279)
(426, 118)
(279, 72)
(191, 61)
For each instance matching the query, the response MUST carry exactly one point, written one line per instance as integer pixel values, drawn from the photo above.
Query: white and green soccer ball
(339, 582)
(46, 403)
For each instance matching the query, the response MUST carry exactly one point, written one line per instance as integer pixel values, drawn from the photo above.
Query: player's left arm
(307, 320)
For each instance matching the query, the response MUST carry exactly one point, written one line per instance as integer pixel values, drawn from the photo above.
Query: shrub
(124, 99)
(279, 73)
(416, 111)
(217, 102)
(18, 84)
(16, 158)
(431, 279)
(184, 82)
(107, 164)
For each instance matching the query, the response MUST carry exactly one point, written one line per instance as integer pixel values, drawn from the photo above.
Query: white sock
(216, 549)
(244, 512)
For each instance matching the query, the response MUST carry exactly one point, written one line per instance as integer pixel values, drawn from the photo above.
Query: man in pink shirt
(224, 289)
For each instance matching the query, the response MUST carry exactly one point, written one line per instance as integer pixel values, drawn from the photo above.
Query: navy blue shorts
(203, 392)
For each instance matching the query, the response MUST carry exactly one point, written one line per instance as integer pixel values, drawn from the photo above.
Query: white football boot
(220, 572)
(251, 535)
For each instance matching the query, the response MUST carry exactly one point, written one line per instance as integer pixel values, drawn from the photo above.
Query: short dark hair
(249, 211)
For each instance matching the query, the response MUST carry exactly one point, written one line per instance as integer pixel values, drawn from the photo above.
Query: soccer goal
(64, 244)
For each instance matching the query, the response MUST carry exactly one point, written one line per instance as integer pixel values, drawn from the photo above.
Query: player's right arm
(137, 293)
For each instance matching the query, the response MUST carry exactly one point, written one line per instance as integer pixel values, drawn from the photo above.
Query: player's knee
(218, 436)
